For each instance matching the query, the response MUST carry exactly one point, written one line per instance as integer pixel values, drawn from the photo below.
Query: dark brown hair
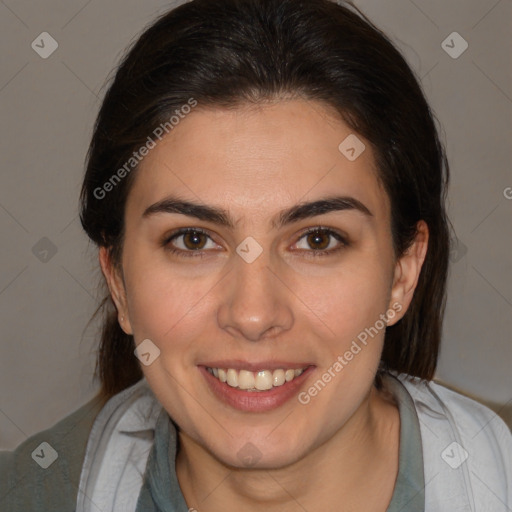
(225, 53)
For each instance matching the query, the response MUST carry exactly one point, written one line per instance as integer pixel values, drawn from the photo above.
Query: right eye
(193, 241)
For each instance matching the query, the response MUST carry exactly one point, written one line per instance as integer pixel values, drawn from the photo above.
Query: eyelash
(201, 254)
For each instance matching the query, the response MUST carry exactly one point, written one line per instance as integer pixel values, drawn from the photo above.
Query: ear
(407, 272)
(116, 286)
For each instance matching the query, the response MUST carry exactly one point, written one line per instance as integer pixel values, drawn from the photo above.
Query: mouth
(251, 388)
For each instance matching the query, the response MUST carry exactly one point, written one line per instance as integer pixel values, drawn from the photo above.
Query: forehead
(257, 160)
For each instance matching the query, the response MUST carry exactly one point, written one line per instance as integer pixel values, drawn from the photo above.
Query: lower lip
(255, 401)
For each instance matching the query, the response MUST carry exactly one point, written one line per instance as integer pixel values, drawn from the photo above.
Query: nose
(254, 304)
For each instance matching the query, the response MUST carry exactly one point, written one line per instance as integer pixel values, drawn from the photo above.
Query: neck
(355, 469)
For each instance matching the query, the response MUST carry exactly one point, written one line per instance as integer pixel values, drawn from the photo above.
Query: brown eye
(322, 242)
(318, 240)
(192, 240)
(188, 242)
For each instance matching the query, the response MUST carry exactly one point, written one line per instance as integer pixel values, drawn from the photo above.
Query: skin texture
(287, 305)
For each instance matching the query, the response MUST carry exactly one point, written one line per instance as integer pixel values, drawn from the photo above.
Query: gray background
(48, 107)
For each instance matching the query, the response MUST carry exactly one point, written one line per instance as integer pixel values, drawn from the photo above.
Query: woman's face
(250, 294)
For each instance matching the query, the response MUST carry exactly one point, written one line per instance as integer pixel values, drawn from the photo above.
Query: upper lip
(238, 364)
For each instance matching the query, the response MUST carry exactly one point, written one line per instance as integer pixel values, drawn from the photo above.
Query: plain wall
(49, 272)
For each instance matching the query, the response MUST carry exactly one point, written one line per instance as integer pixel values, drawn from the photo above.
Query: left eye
(321, 241)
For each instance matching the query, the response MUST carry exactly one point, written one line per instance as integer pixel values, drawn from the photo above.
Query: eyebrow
(293, 214)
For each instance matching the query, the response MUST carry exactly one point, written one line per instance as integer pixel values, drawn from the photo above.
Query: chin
(260, 454)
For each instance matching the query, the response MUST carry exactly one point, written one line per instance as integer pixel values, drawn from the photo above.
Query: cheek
(346, 301)
(165, 305)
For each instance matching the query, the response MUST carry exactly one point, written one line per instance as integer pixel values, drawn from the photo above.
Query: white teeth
(255, 381)
(246, 379)
(278, 378)
(232, 378)
(264, 380)
(222, 375)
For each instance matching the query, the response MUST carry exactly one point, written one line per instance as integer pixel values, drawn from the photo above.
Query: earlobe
(116, 288)
(407, 271)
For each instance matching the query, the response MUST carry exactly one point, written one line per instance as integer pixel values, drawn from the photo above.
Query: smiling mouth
(263, 380)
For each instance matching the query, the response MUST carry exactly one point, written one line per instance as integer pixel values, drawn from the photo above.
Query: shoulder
(464, 412)
(45, 469)
(467, 447)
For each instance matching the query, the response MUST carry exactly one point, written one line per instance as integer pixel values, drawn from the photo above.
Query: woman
(266, 188)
